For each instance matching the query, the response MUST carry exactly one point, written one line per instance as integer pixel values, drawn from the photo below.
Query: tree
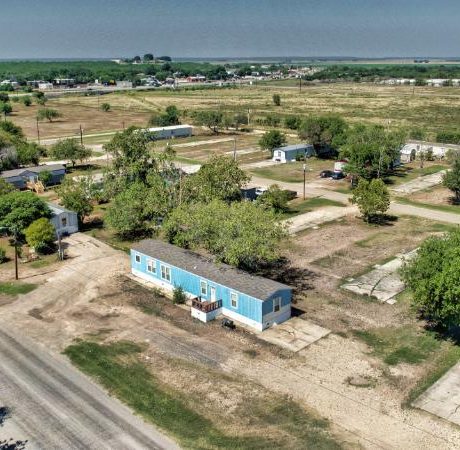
(40, 235)
(27, 100)
(20, 209)
(243, 234)
(210, 119)
(170, 117)
(417, 134)
(5, 187)
(148, 57)
(29, 153)
(5, 108)
(45, 177)
(371, 150)
(48, 114)
(12, 129)
(372, 198)
(276, 99)
(433, 276)
(292, 122)
(77, 196)
(272, 139)
(4, 98)
(274, 198)
(218, 178)
(451, 179)
(70, 149)
(323, 131)
(3, 258)
(127, 214)
(105, 107)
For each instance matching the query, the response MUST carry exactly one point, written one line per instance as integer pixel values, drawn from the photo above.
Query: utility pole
(15, 232)
(38, 132)
(81, 135)
(300, 84)
(304, 178)
(234, 149)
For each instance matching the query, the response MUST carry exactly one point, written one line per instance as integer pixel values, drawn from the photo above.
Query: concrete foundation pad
(443, 398)
(294, 334)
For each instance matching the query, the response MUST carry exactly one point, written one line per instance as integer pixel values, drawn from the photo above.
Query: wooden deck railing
(206, 307)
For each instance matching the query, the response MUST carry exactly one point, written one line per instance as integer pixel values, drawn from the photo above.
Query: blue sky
(207, 28)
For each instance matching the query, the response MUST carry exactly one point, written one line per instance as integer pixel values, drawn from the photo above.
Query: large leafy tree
(218, 178)
(274, 198)
(48, 114)
(433, 276)
(19, 209)
(272, 139)
(40, 235)
(77, 195)
(170, 116)
(70, 149)
(211, 119)
(243, 234)
(372, 198)
(451, 179)
(371, 150)
(323, 131)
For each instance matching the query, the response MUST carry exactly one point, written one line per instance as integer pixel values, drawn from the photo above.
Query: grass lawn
(118, 368)
(409, 172)
(16, 288)
(406, 344)
(293, 172)
(299, 206)
(445, 208)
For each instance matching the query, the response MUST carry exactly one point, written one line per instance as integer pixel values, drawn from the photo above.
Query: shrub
(105, 107)
(40, 235)
(179, 296)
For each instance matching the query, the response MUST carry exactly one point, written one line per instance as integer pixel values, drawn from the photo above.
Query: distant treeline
(371, 72)
(104, 71)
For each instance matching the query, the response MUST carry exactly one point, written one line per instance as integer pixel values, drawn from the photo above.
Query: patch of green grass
(445, 208)
(39, 263)
(303, 206)
(185, 160)
(404, 174)
(400, 345)
(445, 359)
(16, 288)
(117, 368)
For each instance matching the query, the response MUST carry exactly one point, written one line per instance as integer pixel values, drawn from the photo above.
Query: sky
(230, 28)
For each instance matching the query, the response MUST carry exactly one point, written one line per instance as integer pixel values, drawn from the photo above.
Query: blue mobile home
(213, 288)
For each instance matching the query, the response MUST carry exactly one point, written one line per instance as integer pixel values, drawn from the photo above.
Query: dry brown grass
(406, 106)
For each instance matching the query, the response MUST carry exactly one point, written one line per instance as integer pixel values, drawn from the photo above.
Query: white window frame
(153, 264)
(276, 303)
(204, 284)
(137, 258)
(167, 270)
(234, 296)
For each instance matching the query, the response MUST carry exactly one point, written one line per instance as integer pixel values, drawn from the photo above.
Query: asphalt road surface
(54, 406)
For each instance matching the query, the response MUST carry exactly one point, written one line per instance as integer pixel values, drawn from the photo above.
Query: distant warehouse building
(173, 131)
(291, 153)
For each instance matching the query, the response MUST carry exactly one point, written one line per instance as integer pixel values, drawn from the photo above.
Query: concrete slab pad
(383, 282)
(443, 398)
(294, 334)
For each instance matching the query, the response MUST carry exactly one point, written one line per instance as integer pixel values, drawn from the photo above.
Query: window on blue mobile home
(138, 258)
(276, 304)
(234, 299)
(166, 273)
(151, 266)
(203, 288)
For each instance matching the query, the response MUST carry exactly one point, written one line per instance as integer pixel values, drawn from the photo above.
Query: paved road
(55, 407)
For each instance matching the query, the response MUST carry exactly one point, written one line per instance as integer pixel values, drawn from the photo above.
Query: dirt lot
(90, 296)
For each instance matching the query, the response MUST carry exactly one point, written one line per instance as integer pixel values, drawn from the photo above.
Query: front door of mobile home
(212, 293)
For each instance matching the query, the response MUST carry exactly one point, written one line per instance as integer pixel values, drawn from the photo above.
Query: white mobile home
(173, 131)
(290, 153)
(413, 148)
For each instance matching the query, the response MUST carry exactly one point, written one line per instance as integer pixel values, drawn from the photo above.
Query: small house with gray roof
(214, 289)
(20, 178)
